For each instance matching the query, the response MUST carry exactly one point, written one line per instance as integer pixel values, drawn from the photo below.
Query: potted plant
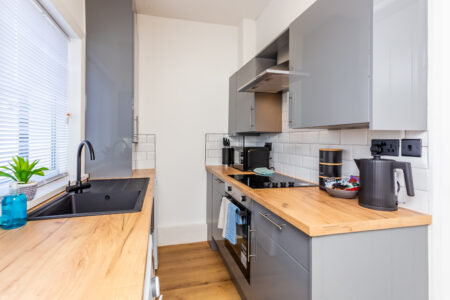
(21, 172)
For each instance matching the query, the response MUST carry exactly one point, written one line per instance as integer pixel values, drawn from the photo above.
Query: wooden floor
(194, 271)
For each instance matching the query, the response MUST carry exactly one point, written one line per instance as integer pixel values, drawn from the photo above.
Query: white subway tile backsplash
(347, 151)
(303, 149)
(296, 160)
(329, 137)
(315, 149)
(416, 162)
(143, 152)
(361, 152)
(215, 137)
(385, 135)
(145, 147)
(423, 135)
(354, 136)
(283, 138)
(141, 155)
(349, 168)
(302, 173)
(310, 137)
(214, 145)
(419, 202)
(145, 164)
(284, 158)
(310, 162)
(215, 153)
(289, 148)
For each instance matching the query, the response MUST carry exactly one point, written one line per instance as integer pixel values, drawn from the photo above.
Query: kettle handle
(407, 172)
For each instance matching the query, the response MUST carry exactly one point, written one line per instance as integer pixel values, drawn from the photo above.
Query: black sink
(112, 196)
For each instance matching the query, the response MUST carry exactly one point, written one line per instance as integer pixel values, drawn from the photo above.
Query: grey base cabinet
(387, 264)
(287, 264)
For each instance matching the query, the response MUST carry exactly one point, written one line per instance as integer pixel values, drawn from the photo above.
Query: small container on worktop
(330, 165)
(14, 211)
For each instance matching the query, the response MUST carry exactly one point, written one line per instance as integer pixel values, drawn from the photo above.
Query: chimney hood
(272, 80)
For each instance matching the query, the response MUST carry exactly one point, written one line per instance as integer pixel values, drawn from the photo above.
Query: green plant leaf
(4, 174)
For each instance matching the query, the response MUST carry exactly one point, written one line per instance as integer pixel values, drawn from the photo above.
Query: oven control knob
(243, 198)
(229, 188)
(274, 185)
(283, 184)
(291, 184)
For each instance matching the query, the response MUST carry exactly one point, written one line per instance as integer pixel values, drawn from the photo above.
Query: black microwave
(249, 158)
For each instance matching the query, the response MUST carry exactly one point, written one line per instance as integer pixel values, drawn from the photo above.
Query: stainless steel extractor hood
(272, 80)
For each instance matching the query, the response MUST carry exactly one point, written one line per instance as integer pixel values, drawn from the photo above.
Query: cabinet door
(275, 274)
(232, 104)
(209, 205)
(245, 109)
(329, 56)
(218, 190)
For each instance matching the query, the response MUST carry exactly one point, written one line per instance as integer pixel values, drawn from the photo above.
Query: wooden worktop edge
(325, 229)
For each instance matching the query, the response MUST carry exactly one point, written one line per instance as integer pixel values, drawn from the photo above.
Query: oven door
(240, 251)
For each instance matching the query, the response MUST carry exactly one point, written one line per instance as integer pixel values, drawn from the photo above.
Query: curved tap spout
(78, 188)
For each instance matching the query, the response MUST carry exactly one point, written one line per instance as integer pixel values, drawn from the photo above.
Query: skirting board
(190, 233)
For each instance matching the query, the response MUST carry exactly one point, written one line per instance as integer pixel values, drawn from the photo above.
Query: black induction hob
(274, 181)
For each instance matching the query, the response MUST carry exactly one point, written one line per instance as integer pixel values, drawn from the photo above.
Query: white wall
(183, 94)
(439, 125)
(276, 17)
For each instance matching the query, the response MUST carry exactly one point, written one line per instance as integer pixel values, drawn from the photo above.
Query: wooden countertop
(316, 213)
(95, 257)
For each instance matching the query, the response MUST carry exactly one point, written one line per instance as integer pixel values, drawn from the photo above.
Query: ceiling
(228, 12)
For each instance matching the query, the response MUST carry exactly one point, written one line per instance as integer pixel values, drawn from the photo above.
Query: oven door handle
(249, 243)
(266, 216)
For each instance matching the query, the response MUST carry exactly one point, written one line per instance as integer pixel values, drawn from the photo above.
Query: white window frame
(63, 17)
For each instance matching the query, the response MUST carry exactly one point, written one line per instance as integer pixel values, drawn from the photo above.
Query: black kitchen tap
(79, 186)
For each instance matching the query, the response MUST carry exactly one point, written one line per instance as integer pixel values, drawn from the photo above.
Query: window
(33, 87)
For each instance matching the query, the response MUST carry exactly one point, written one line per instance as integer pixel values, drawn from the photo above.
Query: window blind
(33, 87)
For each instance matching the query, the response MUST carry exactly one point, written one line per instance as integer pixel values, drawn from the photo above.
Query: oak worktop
(95, 257)
(316, 213)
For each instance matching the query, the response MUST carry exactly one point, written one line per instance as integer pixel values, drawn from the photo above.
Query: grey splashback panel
(109, 86)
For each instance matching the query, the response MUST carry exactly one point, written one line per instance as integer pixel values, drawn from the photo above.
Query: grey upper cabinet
(253, 112)
(109, 86)
(358, 63)
(232, 105)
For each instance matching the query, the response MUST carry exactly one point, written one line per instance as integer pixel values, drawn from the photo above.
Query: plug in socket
(385, 147)
(412, 147)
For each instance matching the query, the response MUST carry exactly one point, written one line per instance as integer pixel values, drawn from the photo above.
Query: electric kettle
(378, 184)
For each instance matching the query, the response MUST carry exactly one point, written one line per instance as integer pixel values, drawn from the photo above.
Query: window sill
(49, 190)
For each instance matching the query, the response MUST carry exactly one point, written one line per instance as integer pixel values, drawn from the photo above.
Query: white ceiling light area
(227, 12)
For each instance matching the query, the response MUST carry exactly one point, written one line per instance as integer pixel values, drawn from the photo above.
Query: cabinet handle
(218, 180)
(252, 109)
(249, 250)
(266, 216)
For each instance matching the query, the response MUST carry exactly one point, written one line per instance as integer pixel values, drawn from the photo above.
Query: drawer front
(294, 241)
(218, 185)
(275, 274)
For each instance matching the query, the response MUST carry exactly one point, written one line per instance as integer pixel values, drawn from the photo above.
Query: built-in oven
(241, 251)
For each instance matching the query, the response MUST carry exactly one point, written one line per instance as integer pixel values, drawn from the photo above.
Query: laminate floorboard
(194, 271)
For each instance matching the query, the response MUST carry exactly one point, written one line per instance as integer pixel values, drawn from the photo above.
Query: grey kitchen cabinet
(232, 130)
(359, 63)
(217, 193)
(253, 112)
(109, 86)
(209, 207)
(386, 264)
(280, 255)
